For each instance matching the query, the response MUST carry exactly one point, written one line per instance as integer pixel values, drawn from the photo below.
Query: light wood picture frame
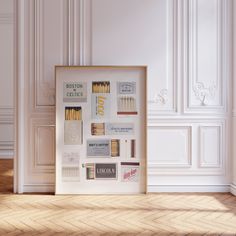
(101, 129)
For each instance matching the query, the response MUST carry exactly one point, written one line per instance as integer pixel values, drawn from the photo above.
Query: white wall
(186, 45)
(233, 168)
(6, 78)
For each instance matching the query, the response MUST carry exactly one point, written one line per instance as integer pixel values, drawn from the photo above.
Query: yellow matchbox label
(100, 105)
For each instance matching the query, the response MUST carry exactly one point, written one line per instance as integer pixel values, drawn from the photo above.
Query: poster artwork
(129, 171)
(74, 92)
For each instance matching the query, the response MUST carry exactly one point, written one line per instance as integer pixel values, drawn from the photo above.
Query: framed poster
(101, 129)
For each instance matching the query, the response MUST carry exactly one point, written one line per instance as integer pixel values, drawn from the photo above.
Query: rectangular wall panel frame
(190, 32)
(188, 162)
(219, 147)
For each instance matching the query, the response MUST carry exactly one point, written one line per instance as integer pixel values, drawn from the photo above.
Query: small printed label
(105, 170)
(100, 105)
(74, 92)
(119, 128)
(129, 172)
(73, 132)
(70, 158)
(98, 148)
(126, 87)
(70, 173)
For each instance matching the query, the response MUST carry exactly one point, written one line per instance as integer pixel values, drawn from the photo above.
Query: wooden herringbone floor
(151, 214)
(6, 175)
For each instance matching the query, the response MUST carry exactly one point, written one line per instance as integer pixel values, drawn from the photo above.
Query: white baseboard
(188, 188)
(6, 154)
(233, 189)
(50, 188)
(39, 188)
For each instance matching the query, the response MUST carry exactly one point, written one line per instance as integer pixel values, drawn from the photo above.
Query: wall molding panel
(6, 134)
(204, 87)
(6, 80)
(6, 115)
(45, 28)
(73, 32)
(49, 37)
(39, 188)
(85, 32)
(157, 172)
(162, 99)
(207, 155)
(233, 189)
(6, 145)
(165, 100)
(6, 18)
(41, 152)
(210, 146)
(44, 147)
(175, 155)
